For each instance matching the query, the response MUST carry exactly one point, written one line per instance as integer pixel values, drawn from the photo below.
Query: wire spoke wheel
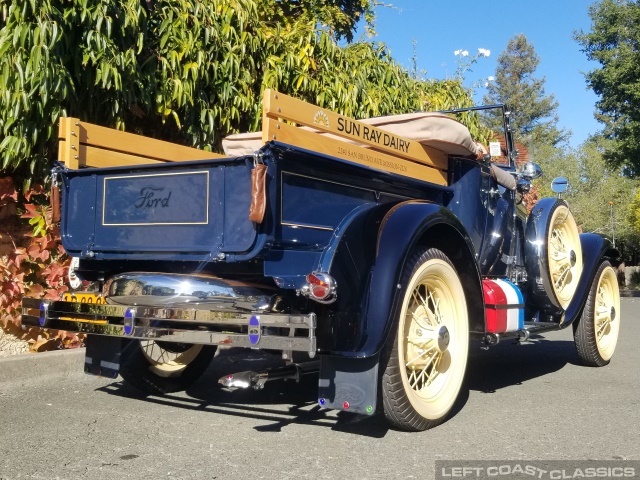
(163, 367)
(596, 333)
(167, 359)
(564, 255)
(428, 359)
(426, 336)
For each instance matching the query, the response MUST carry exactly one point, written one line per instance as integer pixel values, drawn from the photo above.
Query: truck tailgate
(192, 211)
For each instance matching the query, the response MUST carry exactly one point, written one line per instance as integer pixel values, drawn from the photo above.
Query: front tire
(161, 367)
(596, 332)
(428, 357)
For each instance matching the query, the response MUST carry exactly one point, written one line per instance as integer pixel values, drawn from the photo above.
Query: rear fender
(595, 250)
(349, 258)
(405, 227)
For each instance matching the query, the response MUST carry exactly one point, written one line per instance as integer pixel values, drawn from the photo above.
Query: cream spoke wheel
(596, 332)
(561, 261)
(564, 256)
(426, 314)
(558, 243)
(601, 329)
(602, 316)
(166, 360)
(423, 360)
(422, 346)
(425, 371)
(421, 321)
(159, 367)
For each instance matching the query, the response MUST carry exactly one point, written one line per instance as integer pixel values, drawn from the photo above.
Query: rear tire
(428, 357)
(162, 367)
(596, 332)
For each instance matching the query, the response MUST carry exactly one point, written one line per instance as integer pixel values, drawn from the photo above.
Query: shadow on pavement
(504, 365)
(510, 364)
(300, 398)
(630, 293)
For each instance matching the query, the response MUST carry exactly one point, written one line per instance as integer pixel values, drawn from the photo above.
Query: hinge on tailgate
(55, 192)
(55, 173)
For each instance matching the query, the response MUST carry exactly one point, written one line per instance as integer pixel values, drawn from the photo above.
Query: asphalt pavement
(520, 402)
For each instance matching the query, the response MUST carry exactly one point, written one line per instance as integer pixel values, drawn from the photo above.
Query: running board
(256, 380)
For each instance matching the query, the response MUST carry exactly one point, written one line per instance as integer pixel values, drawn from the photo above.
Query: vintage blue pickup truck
(371, 252)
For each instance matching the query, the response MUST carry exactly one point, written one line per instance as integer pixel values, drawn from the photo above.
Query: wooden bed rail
(82, 144)
(381, 150)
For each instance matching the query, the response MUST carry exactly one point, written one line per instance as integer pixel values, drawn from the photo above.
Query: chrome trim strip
(302, 225)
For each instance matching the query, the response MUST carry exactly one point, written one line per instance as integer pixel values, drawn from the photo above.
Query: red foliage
(7, 190)
(531, 198)
(36, 189)
(32, 262)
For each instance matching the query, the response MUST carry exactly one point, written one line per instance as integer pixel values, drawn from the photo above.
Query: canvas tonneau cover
(432, 129)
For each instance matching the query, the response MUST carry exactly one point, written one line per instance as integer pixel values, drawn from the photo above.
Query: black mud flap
(102, 356)
(349, 384)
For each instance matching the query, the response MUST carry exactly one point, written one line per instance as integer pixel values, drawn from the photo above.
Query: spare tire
(553, 255)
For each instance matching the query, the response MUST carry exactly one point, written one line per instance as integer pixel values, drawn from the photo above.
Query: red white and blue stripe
(504, 306)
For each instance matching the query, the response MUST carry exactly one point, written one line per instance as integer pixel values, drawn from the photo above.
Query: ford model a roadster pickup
(369, 251)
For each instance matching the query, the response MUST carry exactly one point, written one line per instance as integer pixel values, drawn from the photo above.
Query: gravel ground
(11, 345)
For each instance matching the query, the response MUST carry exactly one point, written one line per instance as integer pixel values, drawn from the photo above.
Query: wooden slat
(132, 144)
(68, 149)
(285, 133)
(277, 105)
(86, 144)
(99, 157)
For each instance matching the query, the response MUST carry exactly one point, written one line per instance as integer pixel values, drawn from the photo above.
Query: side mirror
(559, 184)
(530, 171)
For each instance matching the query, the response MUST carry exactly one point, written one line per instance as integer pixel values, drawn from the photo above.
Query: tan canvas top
(432, 129)
(240, 144)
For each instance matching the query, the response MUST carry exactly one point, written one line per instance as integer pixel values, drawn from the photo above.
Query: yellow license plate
(84, 297)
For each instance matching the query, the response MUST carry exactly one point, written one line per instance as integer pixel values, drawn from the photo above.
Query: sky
(441, 27)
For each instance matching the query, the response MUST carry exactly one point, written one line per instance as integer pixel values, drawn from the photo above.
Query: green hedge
(183, 70)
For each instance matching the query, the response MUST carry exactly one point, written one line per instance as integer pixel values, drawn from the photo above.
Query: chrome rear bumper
(207, 327)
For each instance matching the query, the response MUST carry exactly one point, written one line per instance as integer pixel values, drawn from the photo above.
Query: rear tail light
(320, 287)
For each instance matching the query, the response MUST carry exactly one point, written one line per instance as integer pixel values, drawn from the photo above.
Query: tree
(185, 71)
(593, 185)
(340, 17)
(614, 42)
(634, 217)
(534, 114)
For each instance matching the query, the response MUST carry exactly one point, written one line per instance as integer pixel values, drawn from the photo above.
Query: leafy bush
(184, 70)
(187, 71)
(32, 262)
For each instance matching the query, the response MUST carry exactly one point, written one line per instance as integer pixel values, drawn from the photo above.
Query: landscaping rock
(11, 345)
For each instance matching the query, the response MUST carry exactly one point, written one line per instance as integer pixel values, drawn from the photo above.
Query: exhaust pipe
(256, 380)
